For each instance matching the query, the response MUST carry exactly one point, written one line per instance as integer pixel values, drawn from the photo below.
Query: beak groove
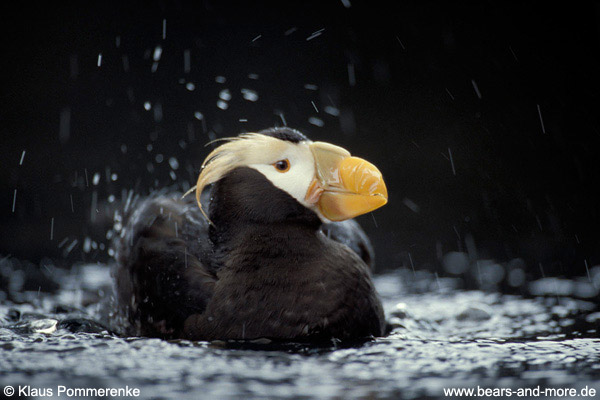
(345, 186)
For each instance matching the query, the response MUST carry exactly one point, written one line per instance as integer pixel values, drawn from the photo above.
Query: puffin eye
(282, 165)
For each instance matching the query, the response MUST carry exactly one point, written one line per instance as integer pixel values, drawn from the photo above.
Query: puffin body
(260, 256)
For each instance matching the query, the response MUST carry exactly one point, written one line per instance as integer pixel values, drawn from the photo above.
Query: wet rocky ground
(55, 330)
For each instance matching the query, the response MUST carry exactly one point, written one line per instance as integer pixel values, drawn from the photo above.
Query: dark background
(446, 101)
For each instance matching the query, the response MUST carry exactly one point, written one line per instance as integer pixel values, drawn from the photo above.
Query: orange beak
(344, 187)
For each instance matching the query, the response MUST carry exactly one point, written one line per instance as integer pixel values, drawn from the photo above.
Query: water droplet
(157, 53)
(249, 95)
(225, 95)
(332, 111)
(316, 121)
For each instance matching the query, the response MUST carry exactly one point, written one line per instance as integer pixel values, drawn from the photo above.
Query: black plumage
(266, 267)
(285, 133)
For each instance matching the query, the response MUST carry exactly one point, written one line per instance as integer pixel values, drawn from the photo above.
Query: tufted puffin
(263, 254)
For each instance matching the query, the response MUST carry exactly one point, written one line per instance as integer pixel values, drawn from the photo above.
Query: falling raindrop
(513, 53)
(587, 269)
(316, 121)
(186, 61)
(125, 60)
(541, 119)
(476, 88)
(412, 265)
(315, 34)
(401, 44)
(65, 125)
(437, 279)
(283, 121)
(157, 53)
(331, 110)
(249, 95)
(158, 114)
(411, 205)
(63, 242)
(71, 246)
(173, 163)
(451, 161)
(351, 75)
(225, 95)
(87, 245)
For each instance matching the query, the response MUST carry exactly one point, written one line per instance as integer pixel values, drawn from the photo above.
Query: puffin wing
(351, 234)
(163, 271)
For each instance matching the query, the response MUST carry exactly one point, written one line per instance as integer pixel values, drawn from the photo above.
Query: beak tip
(380, 201)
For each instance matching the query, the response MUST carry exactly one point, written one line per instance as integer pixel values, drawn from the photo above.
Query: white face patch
(297, 179)
(261, 152)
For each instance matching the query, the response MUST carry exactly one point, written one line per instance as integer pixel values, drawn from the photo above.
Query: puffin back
(163, 271)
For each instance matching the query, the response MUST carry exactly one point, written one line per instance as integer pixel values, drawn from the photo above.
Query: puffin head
(317, 176)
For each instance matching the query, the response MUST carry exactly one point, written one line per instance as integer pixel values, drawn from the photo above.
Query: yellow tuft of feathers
(246, 149)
